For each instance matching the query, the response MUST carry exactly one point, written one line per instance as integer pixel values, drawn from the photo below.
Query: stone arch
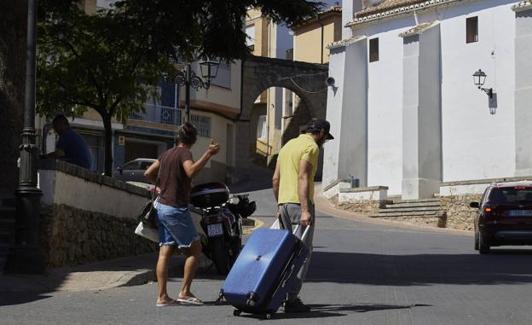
(307, 80)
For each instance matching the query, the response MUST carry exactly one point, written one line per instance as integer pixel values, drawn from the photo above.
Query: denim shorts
(176, 227)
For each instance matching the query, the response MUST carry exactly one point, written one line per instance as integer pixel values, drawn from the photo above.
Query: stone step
(428, 214)
(417, 201)
(416, 204)
(6, 235)
(410, 209)
(8, 211)
(7, 223)
(8, 202)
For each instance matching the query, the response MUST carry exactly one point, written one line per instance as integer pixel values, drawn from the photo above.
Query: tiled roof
(386, 5)
(523, 5)
(334, 10)
(389, 8)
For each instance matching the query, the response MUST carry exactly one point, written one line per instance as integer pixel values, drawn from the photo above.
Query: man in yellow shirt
(293, 187)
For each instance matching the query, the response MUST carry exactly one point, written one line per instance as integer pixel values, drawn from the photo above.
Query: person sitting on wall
(70, 146)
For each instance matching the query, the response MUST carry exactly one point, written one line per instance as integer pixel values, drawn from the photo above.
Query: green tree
(94, 62)
(112, 61)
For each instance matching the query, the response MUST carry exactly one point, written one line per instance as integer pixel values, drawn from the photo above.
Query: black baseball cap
(316, 125)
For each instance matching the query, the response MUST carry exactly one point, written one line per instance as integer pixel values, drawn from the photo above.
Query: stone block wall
(365, 200)
(368, 207)
(459, 214)
(72, 236)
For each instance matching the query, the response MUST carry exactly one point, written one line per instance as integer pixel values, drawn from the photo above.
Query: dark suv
(504, 217)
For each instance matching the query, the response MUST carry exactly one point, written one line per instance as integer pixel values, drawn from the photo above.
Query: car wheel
(483, 245)
(476, 240)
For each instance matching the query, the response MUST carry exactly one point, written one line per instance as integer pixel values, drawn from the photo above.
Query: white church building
(404, 106)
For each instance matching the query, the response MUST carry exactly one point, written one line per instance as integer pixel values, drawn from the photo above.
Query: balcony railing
(158, 114)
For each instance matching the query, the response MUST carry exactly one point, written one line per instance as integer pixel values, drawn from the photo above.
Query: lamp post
(188, 78)
(26, 256)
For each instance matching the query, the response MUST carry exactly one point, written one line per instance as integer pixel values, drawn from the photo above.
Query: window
(472, 30)
(145, 164)
(250, 39)
(261, 128)
(133, 165)
(373, 50)
(223, 78)
(202, 124)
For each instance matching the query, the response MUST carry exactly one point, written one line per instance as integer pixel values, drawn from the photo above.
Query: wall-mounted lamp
(479, 78)
(330, 82)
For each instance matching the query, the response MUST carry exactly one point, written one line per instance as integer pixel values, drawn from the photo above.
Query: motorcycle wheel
(220, 255)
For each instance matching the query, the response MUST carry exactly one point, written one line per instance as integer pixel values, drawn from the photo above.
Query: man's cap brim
(329, 136)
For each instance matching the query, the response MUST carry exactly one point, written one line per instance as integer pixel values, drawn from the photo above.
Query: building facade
(404, 104)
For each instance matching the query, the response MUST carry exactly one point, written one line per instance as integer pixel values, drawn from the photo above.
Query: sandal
(171, 302)
(189, 301)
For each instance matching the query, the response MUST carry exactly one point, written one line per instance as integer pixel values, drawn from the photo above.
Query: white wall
(218, 133)
(61, 188)
(475, 144)
(385, 105)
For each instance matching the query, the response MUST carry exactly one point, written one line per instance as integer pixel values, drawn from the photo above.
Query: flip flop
(172, 302)
(189, 301)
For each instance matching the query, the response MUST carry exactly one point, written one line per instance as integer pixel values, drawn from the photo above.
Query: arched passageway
(259, 74)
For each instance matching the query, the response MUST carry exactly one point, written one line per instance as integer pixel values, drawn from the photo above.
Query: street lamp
(188, 78)
(26, 256)
(479, 78)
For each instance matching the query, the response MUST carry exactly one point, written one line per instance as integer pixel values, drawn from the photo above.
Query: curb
(147, 276)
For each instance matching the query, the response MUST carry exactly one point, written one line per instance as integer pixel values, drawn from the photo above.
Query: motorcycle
(221, 217)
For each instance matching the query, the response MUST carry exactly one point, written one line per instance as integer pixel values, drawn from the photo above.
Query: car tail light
(490, 211)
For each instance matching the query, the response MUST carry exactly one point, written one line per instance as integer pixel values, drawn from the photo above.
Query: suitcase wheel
(237, 312)
(268, 316)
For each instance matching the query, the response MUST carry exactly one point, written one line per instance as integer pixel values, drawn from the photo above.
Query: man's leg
(290, 215)
(165, 253)
(302, 274)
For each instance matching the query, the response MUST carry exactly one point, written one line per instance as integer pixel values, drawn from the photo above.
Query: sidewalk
(127, 271)
(102, 275)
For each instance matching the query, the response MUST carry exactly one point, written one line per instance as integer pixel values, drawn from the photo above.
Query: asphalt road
(360, 274)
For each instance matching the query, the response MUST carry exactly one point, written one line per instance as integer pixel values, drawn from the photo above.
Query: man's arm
(192, 168)
(58, 153)
(276, 180)
(152, 171)
(305, 169)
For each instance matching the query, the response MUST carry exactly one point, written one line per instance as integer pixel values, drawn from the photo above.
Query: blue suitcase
(264, 272)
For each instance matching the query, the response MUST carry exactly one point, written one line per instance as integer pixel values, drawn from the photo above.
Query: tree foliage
(113, 60)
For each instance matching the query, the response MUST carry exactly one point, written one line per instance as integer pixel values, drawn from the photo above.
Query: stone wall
(362, 206)
(459, 214)
(72, 236)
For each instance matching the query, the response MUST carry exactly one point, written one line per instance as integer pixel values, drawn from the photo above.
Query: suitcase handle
(305, 233)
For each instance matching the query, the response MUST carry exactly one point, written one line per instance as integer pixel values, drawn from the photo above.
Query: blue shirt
(75, 149)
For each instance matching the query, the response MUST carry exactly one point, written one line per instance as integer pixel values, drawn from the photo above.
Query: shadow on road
(501, 267)
(17, 298)
(322, 311)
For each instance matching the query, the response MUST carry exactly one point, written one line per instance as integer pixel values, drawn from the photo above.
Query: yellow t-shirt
(301, 148)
